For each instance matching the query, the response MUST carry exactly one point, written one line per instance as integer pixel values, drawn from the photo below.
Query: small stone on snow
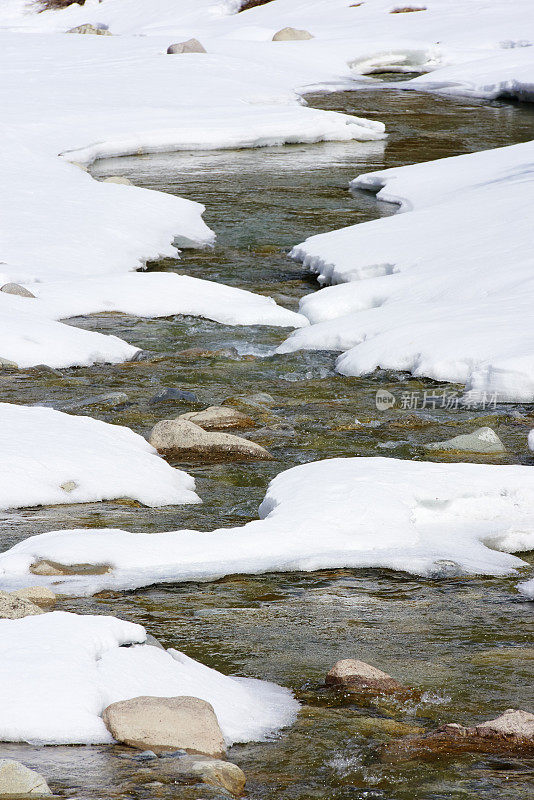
(291, 35)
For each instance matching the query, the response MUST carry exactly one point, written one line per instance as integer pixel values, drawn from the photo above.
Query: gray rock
(354, 674)
(109, 400)
(166, 723)
(291, 35)
(218, 418)
(69, 486)
(118, 179)
(213, 772)
(184, 439)
(15, 288)
(18, 780)
(13, 607)
(38, 595)
(481, 440)
(174, 395)
(513, 723)
(190, 46)
(45, 371)
(95, 30)
(5, 363)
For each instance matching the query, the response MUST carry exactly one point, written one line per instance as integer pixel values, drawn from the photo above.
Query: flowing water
(466, 642)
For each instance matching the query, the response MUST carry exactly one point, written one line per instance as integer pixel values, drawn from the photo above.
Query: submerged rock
(95, 30)
(358, 676)
(39, 595)
(16, 288)
(118, 179)
(110, 400)
(218, 418)
(211, 771)
(482, 440)
(18, 780)
(190, 46)
(183, 439)
(512, 732)
(13, 607)
(166, 723)
(174, 395)
(291, 35)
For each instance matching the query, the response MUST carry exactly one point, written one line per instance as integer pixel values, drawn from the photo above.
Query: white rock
(15, 288)
(92, 29)
(514, 722)
(180, 437)
(218, 417)
(291, 35)
(13, 607)
(190, 46)
(166, 723)
(16, 779)
(481, 440)
(39, 595)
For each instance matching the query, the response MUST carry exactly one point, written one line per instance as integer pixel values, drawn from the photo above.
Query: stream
(466, 642)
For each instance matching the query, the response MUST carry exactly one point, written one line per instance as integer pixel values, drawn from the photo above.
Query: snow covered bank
(425, 518)
(443, 291)
(59, 671)
(527, 589)
(48, 457)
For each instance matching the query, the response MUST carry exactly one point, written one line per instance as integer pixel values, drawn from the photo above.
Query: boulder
(512, 733)
(183, 439)
(95, 30)
(39, 595)
(173, 395)
(218, 418)
(16, 779)
(6, 363)
(481, 440)
(12, 607)
(118, 179)
(191, 46)
(15, 288)
(291, 35)
(166, 723)
(211, 771)
(358, 676)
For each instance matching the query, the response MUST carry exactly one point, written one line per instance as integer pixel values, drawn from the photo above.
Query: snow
(429, 519)
(43, 449)
(444, 290)
(59, 671)
(527, 589)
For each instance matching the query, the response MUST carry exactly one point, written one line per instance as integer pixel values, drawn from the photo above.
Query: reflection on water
(465, 642)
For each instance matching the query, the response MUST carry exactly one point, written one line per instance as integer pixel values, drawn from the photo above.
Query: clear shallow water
(467, 642)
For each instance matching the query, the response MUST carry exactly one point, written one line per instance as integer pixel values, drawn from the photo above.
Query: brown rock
(218, 418)
(12, 607)
(211, 771)
(183, 439)
(166, 723)
(50, 568)
(39, 595)
(359, 676)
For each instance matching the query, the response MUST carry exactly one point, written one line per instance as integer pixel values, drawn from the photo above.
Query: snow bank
(428, 519)
(444, 291)
(43, 449)
(59, 671)
(527, 589)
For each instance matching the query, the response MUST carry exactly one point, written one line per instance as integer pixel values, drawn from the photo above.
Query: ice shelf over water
(427, 519)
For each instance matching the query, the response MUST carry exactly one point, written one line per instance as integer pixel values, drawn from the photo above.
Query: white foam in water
(59, 671)
(427, 519)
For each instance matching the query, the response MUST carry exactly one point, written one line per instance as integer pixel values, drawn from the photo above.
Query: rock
(482, 440)
(218, 418)
(39, 595)
(359, 676)
(5, 363)
(199, 352)
(184, 439)
(13, 607)
(118, 179)
(512, 732)
(174, 395)
(214, 772)
(370, 726)
(68, 486)
(110, 400)
(291, 35)
(92, 29)
(166, 723)
(51, 568)
(45, 371)
(15, 288)
(191, 46)
(16, 779)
